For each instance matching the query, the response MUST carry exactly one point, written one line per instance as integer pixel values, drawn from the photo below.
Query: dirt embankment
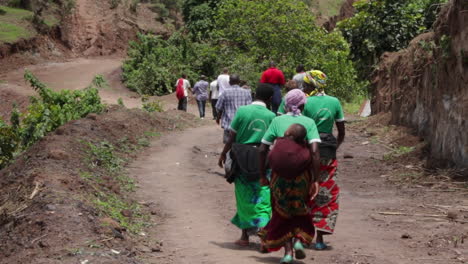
(347, 10)
(92, 28)
(425, 86)
(48, 207)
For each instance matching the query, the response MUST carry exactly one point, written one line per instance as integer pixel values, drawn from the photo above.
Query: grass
(15, 25)
(10, 33)
(327, 8)
(353, 107)
(103, 161)
(397, 152)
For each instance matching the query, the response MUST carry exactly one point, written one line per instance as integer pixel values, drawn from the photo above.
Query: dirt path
(179, 174)
(74, 74)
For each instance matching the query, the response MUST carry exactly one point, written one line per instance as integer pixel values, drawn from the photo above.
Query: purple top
(200, 89)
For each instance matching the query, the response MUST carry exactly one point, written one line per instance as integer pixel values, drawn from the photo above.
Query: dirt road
(74, 74)
(179, 174)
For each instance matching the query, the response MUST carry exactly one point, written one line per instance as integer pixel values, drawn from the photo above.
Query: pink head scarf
(295, 99)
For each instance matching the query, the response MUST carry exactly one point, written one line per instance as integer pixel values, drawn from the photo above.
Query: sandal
(242, 243)
(287, 259)
(320, 246)
(299, 250)
(263, 249)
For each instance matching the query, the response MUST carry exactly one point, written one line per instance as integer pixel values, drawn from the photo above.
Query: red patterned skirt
(325, 205)
(291, 213)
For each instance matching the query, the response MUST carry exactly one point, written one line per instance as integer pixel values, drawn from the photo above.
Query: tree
(385, 25)
(283, 31)
(199, 16)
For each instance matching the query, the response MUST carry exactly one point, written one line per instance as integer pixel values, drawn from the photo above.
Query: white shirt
(185, 86)
(223, 83)
(214, 90)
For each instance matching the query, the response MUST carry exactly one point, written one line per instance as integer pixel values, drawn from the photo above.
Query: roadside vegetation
(385, 25)
(47, 112)
(234, 35)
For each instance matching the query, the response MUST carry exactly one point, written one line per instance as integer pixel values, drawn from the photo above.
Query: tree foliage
(284, 31)
(199, 16)
(385, 25)
(245, 36)
(154, 64)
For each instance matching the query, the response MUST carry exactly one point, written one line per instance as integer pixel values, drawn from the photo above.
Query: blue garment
(276, 100)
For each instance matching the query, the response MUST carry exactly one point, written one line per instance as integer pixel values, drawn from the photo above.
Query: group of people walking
(280, 153)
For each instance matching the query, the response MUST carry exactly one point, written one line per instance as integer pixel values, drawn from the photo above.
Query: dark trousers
(276, 100)
(201, 107)
(182, 104)
(213, 107)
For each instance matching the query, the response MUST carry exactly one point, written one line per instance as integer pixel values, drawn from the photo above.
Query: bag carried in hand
(180, 93)
(242, 159)
(328, 146)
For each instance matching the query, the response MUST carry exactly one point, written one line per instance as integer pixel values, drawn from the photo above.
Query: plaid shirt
(229, 101)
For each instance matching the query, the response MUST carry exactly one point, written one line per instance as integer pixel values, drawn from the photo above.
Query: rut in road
(179, 174)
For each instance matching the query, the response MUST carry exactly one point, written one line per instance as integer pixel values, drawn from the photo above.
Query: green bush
(385, 25)
(46, 113)
(155, 64)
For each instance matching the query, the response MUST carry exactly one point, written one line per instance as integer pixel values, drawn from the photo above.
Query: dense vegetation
(386, 25)
(46, 112)
(243, 36)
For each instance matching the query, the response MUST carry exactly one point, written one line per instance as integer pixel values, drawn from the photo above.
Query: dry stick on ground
(407, 214)
(35, 191)
(38, 238)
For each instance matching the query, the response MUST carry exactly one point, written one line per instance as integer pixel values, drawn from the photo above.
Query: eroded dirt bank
(426, 86)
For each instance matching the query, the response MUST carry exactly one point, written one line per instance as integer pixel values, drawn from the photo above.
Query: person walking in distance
(274, 77)
(214, 94)
(247, 128)
(228, 103)
(182, 88)
(223, 81)
(299, 77)
(200, 90)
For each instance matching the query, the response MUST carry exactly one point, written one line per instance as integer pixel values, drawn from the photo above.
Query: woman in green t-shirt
(291, 192)
(326, 111)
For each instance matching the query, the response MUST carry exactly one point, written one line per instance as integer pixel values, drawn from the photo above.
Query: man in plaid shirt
(228, 103)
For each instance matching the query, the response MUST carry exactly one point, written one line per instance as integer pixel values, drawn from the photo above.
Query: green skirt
(253, 205)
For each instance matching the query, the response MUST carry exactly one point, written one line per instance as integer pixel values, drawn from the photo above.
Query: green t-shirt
(251, 122)
(325, 111)
(280, 124)
(282, 108)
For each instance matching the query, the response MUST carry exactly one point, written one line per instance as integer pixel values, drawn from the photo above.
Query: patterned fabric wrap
(291, 214)
(253, 205)
(293, 100)
(325, 206)
(316, 78)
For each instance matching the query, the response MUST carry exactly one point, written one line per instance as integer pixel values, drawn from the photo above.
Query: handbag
(242, 159)
(328, 146)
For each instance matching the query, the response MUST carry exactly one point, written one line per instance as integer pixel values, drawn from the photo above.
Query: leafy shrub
(154, 64)
(45, 113)
(385, 25)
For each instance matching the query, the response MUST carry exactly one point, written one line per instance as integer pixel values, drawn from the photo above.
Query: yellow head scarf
(316, 78)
